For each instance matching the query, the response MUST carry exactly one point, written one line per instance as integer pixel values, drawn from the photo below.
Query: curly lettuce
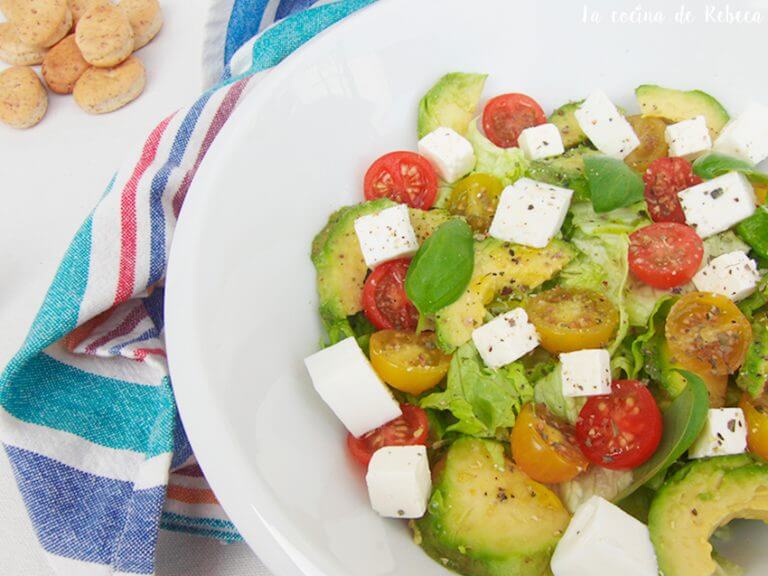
(549, 391)
(602, 265)
(484, 402)
(507, 164)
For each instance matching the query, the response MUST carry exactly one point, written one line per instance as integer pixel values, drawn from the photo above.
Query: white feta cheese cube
(603, 540)
(714, 206)
(347, 382)
(386, 235)
(746, 137)
(505, 338)
(399, 481)
(688, 138)
(733, 275)
(585, 373)
(724, 433)
(606, 127)
(541, 141)
(449, 152)
(530, 213)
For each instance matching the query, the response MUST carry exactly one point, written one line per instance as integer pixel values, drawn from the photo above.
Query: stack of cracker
(85, 47)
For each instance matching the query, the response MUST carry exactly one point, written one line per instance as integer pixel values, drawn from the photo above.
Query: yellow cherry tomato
(707, 334)
(653, 145)
(476, 198)
(761, 192)
(756, 413)
(407, 361)
(569, 320)
(544, 447)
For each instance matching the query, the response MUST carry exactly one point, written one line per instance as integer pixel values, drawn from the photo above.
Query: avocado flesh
(483, 520)
(565, 120)
(700, 498)
(451, 103)
(566, 170)
(336, 254)
(678, 105)
(500, 267)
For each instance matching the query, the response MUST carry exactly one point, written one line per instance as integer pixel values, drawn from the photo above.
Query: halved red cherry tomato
(385, 302)
(544, 447)
(664, 178)
(404, 177)
(620, 430)
(665, 254)
(506, 116)
(410, 429)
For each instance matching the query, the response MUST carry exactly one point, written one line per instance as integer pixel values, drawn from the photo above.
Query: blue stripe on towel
(86, 517)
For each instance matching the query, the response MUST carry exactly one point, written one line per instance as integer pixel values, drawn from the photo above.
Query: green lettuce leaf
(485, 402)
(597, 481)
(646, 348)
(548, 390)
(357, 326)
(641, 300)
(602, 265)
(755, 303)
(507, 164)
(723, 243)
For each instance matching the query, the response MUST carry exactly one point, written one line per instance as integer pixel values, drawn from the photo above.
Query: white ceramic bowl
(241, 304)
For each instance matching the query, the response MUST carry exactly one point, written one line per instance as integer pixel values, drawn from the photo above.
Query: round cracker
(13, 51)
(23, 99)
(146, 19)
(104, 35)
(80, 7)
(39, 23)
(63, 66)
(102, 90)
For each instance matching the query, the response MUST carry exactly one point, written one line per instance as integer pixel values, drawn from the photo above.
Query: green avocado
(677, 105)
(566, 170)
(479, 519)
(753, 376)
(341, 269)
(565, 120)
(500, 268)
(451, 103)
(698, 499)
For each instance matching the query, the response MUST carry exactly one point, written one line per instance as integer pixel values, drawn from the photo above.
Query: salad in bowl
(547, 336)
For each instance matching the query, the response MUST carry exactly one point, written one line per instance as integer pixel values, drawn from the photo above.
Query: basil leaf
(612, 184)
(442, 268)
(714, 165)
(683, 421)
(754, 231)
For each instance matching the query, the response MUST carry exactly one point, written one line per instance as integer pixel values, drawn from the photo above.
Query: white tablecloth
(50, 178)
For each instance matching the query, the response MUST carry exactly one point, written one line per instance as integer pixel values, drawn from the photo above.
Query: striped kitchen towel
(87, 414)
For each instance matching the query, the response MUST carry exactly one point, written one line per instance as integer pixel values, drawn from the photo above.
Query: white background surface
(50, 178)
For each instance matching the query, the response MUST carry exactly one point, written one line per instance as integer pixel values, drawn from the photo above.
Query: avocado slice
(566, 170)
(698, 499)
(452, 103)
(565, 120)
(478, 522)
(341, 269)
(677, 105)
(753, 376)
(500, 268)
